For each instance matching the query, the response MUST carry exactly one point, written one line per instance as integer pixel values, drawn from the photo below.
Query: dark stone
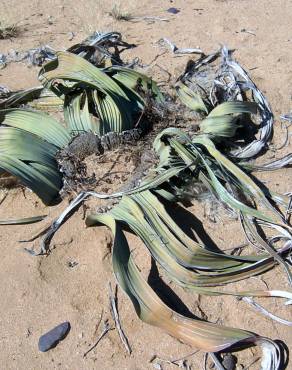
(173, 10)
(54, 336)
(229, 361)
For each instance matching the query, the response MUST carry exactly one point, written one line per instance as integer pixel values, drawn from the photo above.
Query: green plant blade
(191, 99)
(150, 309)
(136, 82)
(32, 160)
(114, 102)
(36, 123)
(23, 221)
(234, 107)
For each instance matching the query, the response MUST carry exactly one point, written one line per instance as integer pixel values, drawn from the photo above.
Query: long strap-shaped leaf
(32, 160)
(115, 106)
(77, 116)
(245, 180)
(190, 98)
(150, 309)
(135, 80)
(191, 153)
(22, 221)
(163, 249)
(220, 190)
(233, 107)
(40, 124)
(71, 67)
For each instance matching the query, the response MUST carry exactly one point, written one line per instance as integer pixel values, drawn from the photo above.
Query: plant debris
(116, 318)
(180, 362)
(8, 31)
(164, 42)
(118, 14)
(106, 329)
(95, 48)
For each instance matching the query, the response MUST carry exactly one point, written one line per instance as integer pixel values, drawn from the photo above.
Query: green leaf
(222, 120)
(150, 309)
(77, 115)
(36, 123)
(234, 107)
(136, 82)
(106, 94)
(22, 221)
(191, 99)
(32, 160)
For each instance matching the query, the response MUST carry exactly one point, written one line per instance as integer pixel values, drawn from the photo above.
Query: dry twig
(106, 329)
(115, 315)
(180, 362)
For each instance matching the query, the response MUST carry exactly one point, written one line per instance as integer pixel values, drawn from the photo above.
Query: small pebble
(229, 362)
(50, 20)
(54, 336)
(71, 36)
(173, 10)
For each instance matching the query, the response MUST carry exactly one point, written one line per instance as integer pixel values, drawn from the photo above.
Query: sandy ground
(39, 293)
